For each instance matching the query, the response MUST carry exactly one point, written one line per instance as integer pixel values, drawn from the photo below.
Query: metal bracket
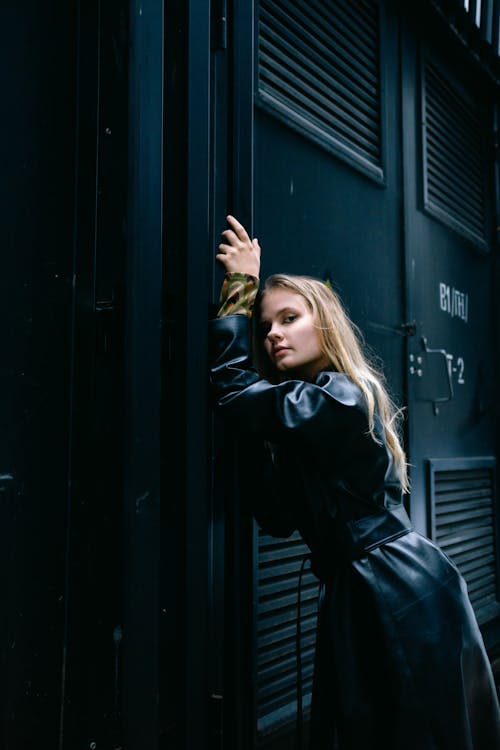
(448, 359)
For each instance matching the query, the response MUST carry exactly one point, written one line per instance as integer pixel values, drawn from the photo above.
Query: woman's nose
(274, 334)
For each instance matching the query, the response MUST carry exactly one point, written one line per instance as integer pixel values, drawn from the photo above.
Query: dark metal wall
(90, 709)
(80, 452)
(37, 187)
(129, 131)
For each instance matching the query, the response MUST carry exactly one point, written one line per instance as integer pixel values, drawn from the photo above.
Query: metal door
(339, 99)
(448, 201)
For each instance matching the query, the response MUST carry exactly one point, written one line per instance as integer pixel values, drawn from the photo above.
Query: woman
(400, 663)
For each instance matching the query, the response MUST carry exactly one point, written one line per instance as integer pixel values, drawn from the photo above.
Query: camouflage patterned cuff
(238, 294)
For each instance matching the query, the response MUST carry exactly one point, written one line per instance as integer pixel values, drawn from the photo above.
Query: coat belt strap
(372, 531)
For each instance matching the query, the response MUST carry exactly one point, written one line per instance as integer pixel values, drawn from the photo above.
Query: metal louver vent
(319, 72)
(462, 509)
(454, 159)
(277, 611)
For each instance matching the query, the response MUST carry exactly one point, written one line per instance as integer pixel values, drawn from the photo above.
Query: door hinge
(409, 329)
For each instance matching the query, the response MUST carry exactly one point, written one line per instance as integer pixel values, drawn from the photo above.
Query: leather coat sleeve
(331, 407)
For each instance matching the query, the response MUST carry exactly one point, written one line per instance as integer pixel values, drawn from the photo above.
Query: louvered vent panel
(454, 157)
(463, 521)
(319, 71)
(277, 610)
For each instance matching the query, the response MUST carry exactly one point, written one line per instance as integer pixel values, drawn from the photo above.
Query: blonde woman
(400, 663)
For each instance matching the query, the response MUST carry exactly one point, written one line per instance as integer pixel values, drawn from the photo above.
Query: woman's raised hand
(237, 252)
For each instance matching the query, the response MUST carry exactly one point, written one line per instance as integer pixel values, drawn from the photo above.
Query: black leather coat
(400, 662)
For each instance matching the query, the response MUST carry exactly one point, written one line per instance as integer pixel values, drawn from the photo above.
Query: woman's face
(290, 337)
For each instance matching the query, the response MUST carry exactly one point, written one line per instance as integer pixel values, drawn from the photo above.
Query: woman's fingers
(237, 252)
(238, 237)
(230, 236)
(238, 228)
(221, 258)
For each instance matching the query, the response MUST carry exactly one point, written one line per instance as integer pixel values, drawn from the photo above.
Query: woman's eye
(289, 318)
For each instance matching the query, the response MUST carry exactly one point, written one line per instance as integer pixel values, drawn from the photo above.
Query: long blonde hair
(342, 343)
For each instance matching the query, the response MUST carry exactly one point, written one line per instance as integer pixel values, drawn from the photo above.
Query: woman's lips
(280, 351)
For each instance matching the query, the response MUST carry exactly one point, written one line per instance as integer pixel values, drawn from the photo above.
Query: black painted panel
(37, 54)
